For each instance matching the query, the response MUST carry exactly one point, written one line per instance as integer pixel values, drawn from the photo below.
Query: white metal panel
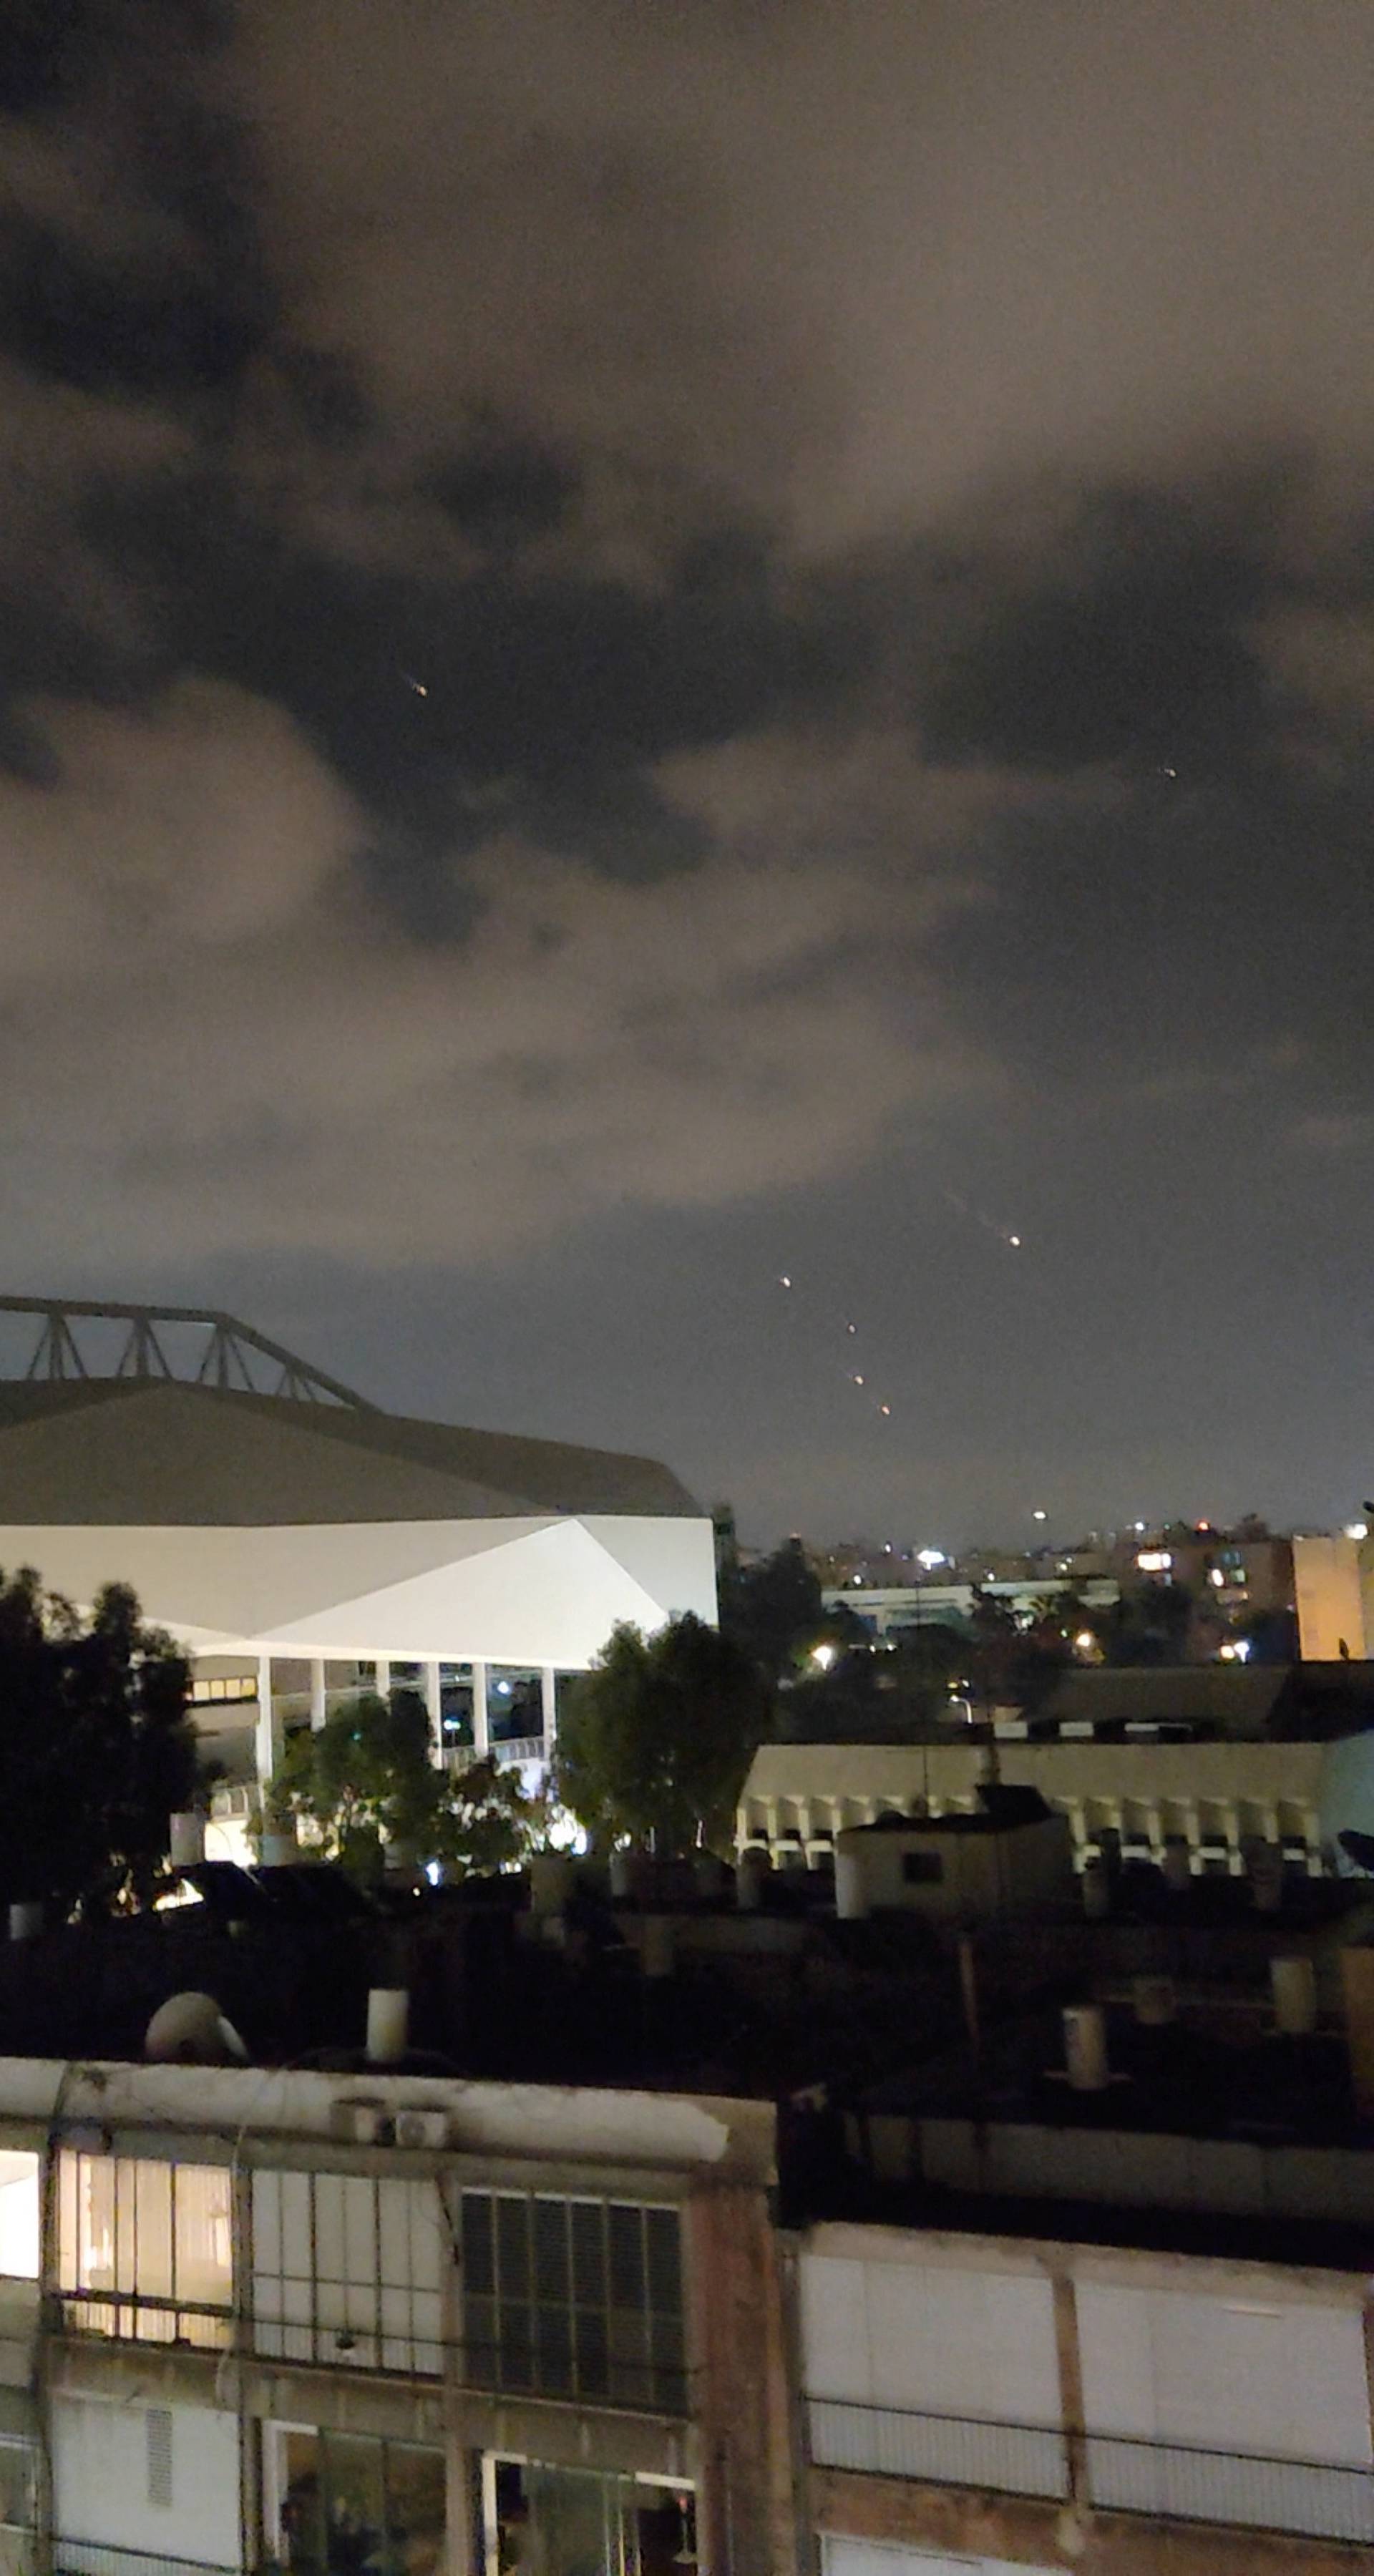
(1285, 2380)
(100, 2462)
(834, 2328)
(841, 2556)
(971, 2343)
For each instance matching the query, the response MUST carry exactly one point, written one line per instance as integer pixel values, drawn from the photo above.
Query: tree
(366, 1782)
(96, 1748)
(654, 1742)
(773, 1608)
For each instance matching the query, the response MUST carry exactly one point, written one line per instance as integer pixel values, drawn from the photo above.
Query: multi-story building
(260, 2318)
(1086, 2315)
(1209, 1757)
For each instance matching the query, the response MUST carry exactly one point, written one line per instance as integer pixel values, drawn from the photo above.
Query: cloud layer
(608, 609)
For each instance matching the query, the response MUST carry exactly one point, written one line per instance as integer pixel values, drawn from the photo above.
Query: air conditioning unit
(361, 2122)
(416, 2128)
(232, 1804)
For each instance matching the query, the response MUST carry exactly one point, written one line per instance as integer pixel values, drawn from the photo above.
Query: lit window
(145, 2249)
(18, 2215)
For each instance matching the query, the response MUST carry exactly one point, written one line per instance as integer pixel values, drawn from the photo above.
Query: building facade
(258, 2320)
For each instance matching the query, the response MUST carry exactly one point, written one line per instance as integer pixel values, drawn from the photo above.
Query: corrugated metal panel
(945, 2339)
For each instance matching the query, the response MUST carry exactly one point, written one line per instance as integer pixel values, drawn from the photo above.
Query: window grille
(573, 2298)
(145, 2249)
(348, 2269)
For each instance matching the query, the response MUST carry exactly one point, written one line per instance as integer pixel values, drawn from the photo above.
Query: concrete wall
(979, 1874)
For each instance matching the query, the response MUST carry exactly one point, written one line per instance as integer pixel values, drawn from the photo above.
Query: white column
(548, 1697)
(317, 1700)
(266, 1742)
(480, 1736)
(382, 1684)
(434, 1704)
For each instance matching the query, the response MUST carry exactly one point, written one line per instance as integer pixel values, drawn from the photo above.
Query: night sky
(652, 644)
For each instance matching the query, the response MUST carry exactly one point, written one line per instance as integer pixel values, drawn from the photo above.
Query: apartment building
(254, 2319)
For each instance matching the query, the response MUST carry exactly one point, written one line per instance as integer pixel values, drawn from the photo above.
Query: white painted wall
(100, 2480)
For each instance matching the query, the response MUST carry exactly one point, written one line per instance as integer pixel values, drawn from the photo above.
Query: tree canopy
(654, 1742)
(773, 1608)
(96, 1748)
(366, 1781)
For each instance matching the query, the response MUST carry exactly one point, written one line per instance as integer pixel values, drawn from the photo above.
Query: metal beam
(57, 1353)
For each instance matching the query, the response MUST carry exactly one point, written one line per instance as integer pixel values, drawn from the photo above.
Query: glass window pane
(589, 2259)
(513, 2247)
(148, 2269)
(626, 2237)
(95, 2223)
(18, 2215)
(68, 2183)
(478, 2255)
(415, 2508)
(551, 2274)
(355, 2508)
(663, 2248)
(479, 2342)
(514, 2332)
(204, 2235)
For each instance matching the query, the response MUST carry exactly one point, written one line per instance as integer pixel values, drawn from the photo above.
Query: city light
(930, 1557)
(1154, 1560)
(823, 1657)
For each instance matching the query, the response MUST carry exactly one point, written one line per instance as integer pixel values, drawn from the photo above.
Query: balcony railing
(951, 2450)
(512, 1748)
(97, 2558)
(1126, 2473)
(1188, 2484)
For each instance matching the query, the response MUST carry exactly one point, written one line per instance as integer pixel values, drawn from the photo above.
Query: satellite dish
(190, 2030)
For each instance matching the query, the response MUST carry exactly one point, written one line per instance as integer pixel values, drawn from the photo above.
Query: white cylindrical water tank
(1293, 1983)
(388, 2023)
(1085, 2047)
(851, 1885)
(621, 1871)
(187, 1847)
(26, 1922)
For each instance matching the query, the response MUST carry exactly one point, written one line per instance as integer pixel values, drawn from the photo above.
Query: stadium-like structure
(301, 1542)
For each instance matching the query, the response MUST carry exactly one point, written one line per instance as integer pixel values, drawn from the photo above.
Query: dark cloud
(626, 632)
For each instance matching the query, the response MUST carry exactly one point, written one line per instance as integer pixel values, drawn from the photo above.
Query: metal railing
(1126, 2473)
(1189, 2484)
(98, 2558)
(952, 2450)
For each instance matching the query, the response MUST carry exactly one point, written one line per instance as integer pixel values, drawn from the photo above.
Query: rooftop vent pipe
(1085, 2048)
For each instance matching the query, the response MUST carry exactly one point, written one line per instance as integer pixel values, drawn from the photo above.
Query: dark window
(573, 2298)
(922, 1868)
